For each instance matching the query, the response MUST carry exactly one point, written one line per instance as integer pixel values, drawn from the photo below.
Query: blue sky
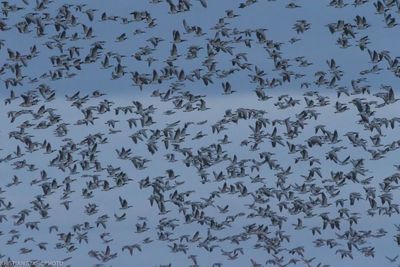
(317, 45)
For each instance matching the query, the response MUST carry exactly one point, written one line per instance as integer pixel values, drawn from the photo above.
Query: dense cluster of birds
(200, 155)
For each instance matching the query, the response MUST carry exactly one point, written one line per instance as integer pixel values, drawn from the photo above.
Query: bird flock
(199, 133)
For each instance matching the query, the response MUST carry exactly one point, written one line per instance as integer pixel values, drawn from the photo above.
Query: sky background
(317, 45)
